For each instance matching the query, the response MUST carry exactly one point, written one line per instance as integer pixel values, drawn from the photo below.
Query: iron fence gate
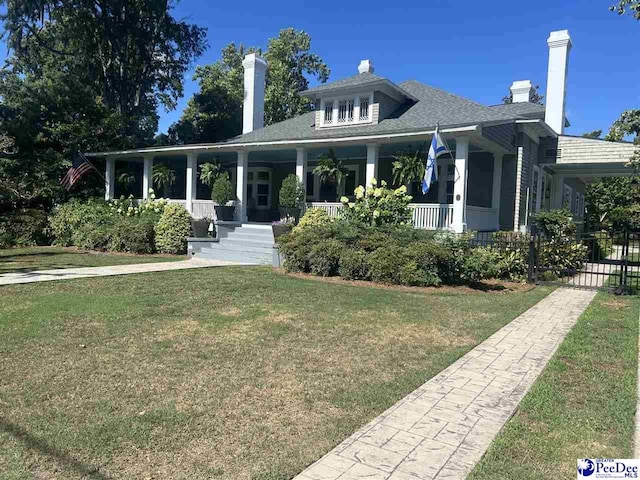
(597, 260)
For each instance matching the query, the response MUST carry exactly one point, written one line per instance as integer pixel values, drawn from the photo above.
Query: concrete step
(246, 242)
(251, 234)
(239, 248)
(235, 256)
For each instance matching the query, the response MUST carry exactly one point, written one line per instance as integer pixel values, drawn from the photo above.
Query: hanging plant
(125, 178)
(209, 172)
(163, 176)
(407, 168)
(329, 169)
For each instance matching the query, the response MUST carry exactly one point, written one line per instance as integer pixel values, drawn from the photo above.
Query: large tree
(85, 75)
(215, 111)
(627, 125)
(627, 6)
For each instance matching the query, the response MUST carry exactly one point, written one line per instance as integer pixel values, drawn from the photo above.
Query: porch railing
(203, 209)
(430, 216)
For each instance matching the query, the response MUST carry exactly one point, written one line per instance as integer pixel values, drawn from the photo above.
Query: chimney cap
(253, 60)
(365, 66)
(521, 91)
(559, 38)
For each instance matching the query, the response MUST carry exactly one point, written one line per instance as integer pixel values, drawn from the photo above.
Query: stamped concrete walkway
(442, 429)
(86, 272)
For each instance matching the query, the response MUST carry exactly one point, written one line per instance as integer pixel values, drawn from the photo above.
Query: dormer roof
(362, 82)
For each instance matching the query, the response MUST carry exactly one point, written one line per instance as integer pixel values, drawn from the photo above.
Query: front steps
(247, 243)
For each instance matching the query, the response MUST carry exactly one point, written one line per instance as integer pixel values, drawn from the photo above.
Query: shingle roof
(434, 106)
(353, 81)
(523, 109)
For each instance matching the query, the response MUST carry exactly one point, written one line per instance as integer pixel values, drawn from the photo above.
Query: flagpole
(92, 165)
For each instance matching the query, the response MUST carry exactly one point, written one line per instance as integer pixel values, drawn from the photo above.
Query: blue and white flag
(431, 171)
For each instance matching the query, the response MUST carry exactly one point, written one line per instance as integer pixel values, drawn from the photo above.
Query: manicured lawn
(46, 258)
(583, 404)
(231, 373)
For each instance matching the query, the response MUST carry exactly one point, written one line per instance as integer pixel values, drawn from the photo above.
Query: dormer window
(364, 109)
(346, 111)
(328, 113)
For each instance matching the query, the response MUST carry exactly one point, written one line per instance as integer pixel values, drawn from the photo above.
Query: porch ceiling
(589, 170)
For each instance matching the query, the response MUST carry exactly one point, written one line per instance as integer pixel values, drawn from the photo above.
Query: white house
(508, 161)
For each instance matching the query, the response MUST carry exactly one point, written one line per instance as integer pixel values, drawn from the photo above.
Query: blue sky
(470, 48)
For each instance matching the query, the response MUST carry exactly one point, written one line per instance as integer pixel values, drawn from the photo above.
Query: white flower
(374, 182)
(377, 192)
(376, 213)
(344, 199)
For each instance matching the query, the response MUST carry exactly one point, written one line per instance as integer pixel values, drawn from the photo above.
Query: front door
(259, 194)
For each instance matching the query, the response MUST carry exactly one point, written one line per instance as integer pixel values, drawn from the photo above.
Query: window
(343, 111)
(328, 113)
(364, 108)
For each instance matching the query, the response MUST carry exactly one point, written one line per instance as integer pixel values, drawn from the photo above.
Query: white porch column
(459, 223)
(497, 185)
(301, 166)
(372, 162)
(192, 172)
(147, 176)
(557, 191)
(109, 178)
(241, 184)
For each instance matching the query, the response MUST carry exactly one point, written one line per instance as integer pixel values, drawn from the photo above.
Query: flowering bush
(129, 207)
(378, 205)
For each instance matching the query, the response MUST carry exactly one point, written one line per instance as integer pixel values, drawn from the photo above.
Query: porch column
(372, 162)
(301, 167)
(109, 178)
(459, 223)
(497, 185)
(557, 191)
(192, 171)
(147, 176)
(241, 184)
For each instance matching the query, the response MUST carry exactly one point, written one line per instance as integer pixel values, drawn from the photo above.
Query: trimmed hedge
(172, 229)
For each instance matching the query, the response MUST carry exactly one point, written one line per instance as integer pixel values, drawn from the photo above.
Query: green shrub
(324, 257)
(385, 264)
(291, 192)
(296, 246)
(555, 224)
(430, 258)
(513, 263)
(132, 235)
(375, 240)
(479, 264)
(172, 229)
(90, 236)
(354, 265)
(70, 216)
(313, 217)
(222, 190)
(25, 227)
(562, 256)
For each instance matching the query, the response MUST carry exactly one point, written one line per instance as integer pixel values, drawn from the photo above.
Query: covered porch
(465, 196)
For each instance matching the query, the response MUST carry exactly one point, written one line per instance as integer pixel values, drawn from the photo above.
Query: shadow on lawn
(42, 447)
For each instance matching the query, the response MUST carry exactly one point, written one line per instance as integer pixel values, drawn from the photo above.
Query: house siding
(503, 135)
(585, 150)
(480, 183)
(386, 105)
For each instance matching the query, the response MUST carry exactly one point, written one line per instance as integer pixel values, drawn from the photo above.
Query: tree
(85, 75)
(627, 124)
(605, 196)
(536, 97)
(630, 6)
(592, 134)
(214, 113)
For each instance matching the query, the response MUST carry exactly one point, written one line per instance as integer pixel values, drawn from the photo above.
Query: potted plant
(222, 194)
(408, 168)
(163, 177)
(209, 172)
(291, 197)
(330, 169)
(201, 227)
(281, 227)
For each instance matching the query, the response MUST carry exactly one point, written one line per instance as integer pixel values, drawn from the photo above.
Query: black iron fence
(597, 260)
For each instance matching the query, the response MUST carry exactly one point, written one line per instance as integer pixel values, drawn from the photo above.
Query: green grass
(230, 373)
(583, 404)
(28, 259)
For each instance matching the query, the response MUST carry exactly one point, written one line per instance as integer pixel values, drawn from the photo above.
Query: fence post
(625, 262)
(532, 255)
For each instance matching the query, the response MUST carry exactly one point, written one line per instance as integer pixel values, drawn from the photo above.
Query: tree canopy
(215, 111)
(627, 6)
(85, 75)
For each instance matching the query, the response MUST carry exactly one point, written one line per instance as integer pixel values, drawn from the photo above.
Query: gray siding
(386, 105)
(504, 135)
(529, 159)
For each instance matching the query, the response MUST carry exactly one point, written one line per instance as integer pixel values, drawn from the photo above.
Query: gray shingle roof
(353, 81)
(523, 109)
(434, 106)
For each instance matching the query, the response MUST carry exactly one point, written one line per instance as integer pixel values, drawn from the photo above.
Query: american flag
(79, 166)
